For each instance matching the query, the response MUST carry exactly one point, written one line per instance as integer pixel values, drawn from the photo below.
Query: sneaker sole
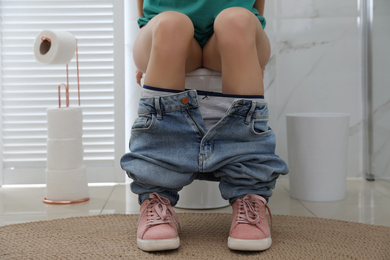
(158, 244)
(249, 245)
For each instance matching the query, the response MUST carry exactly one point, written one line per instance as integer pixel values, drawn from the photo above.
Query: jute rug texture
(203, 236)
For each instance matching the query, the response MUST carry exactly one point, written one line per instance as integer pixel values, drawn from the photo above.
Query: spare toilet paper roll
(58, 48)
(66, 185)
(64, 123)
(64, 154)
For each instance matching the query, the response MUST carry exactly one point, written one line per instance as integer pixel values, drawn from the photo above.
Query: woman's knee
(236, 27)
(172, 29)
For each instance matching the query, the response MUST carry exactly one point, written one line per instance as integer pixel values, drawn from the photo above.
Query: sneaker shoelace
(248, 211)
(160, 212)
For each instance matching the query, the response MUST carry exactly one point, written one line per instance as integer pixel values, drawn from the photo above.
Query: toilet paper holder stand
(47, 40)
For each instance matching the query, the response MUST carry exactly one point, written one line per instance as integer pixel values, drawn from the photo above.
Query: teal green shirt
(201, 12)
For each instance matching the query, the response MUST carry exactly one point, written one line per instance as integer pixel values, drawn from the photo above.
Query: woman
(175, 140)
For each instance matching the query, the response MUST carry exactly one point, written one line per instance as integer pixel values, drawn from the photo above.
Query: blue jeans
(170, 148)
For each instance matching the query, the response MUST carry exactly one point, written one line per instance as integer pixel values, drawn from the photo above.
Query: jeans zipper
(196, 124)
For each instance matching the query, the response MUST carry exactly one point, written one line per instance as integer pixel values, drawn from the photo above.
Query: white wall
(315, 66)
(133, 91)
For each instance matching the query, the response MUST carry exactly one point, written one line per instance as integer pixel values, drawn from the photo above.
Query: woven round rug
(203, 236)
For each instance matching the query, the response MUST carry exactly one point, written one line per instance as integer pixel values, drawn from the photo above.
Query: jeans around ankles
(169, 148)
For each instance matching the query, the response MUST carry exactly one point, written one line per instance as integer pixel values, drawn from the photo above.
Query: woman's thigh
(143, 44)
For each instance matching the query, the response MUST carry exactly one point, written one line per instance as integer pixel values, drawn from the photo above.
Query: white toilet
(202, 194)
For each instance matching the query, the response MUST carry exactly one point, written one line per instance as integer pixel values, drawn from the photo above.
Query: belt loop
(250, 113)
(157, 106)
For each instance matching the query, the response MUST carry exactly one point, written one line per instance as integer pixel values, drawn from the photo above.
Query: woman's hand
(138, 76)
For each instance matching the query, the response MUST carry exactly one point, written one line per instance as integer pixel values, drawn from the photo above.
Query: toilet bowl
(202, 194)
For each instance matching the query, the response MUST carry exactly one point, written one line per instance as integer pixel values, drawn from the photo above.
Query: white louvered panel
(29, 88)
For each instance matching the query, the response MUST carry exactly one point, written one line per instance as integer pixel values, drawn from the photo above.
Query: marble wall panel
(316, 67)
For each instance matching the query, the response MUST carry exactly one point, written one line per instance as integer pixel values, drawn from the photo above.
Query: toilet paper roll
(58, 48)
(64, 123)
(64, 154)
(66, 185)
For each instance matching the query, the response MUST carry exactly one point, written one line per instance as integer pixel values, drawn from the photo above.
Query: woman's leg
(165, 49)
(240, 49)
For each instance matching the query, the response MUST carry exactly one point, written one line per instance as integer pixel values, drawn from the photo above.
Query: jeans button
(185, 100)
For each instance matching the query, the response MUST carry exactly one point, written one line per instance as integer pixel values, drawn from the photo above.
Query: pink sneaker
(156, 227)
(250, 230)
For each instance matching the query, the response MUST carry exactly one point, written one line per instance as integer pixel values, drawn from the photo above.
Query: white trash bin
(317, 155)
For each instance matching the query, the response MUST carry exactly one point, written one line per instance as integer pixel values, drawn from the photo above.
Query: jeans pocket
(143, 122)
(260, 127)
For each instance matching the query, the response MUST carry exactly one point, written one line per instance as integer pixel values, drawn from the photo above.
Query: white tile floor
(366, 202)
